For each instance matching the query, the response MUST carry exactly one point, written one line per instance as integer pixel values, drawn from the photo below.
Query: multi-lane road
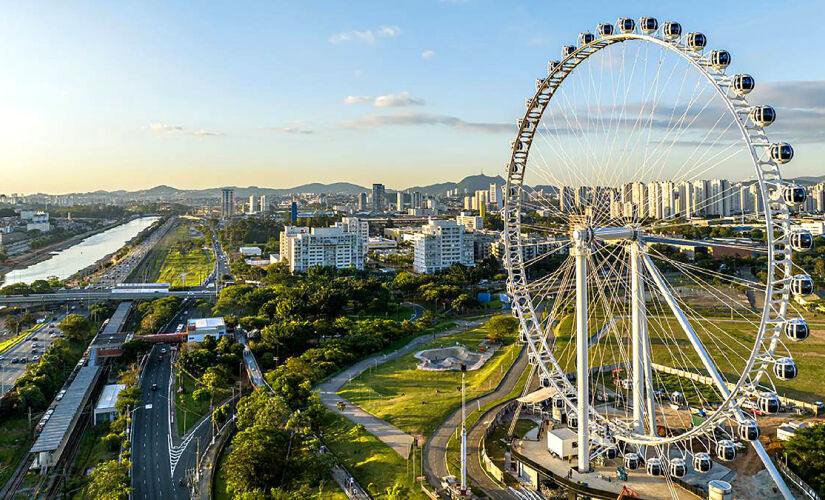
(42, 335)
(161, 460)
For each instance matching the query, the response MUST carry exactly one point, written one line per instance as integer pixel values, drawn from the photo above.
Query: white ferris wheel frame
(777, 229)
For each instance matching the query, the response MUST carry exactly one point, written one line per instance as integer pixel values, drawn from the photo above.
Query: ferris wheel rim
(755, 368)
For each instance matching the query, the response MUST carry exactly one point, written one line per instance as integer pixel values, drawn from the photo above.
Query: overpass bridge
(98, 295)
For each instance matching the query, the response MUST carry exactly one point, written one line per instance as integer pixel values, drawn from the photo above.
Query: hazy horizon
(102, 96)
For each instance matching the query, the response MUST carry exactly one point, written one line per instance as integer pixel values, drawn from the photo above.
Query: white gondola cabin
(696, 41)
(768, 402)
(785, 369)
(631, 461)
(653, 467)
(743, 84)
(726, 450)
(748, 430)
(702, 462)
(763, 115)
(802, 285)
(781, 152)
(720, 59)
(678, 467)
(672, 30)
(626, 25)
(604, 30)
(648, 25)
(796, 329)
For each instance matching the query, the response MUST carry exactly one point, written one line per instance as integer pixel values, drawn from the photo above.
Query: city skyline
(128, 97)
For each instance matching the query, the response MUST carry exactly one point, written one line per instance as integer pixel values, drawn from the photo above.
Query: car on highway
(154, 387)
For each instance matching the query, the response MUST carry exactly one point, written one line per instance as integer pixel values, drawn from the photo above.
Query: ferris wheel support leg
(637, 315)
(714, 373)
(582, 337)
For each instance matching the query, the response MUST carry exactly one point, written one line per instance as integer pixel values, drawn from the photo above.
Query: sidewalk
(392, 436)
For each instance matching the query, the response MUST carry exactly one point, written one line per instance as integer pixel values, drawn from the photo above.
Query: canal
(68, 261)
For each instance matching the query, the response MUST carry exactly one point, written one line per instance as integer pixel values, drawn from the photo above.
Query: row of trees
(156, 313)
(41, 381)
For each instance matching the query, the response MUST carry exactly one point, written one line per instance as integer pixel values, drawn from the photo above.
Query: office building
(227, 203)
(362, 201)
(440, 244)
(293, 211)
(199, 329)
(378, 197)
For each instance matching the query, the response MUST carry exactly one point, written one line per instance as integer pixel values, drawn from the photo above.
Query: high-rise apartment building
(471, 222)
(362, 201)
(378, 197)
(304, 248)
(263, 206)
(440, 244)
(251, 204)
(227, 203)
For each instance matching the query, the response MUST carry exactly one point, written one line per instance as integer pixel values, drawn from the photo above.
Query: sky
(133, 94)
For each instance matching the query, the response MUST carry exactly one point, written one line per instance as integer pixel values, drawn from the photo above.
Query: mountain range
(168, 193)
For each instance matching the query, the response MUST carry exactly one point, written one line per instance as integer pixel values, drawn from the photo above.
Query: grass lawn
(728, 342)
(188, 410)
(399, 313)
(416, 401)
(149, 270)
(453, 446)
(194, 264)
(15, 441)
(91, 452)
(368, 459)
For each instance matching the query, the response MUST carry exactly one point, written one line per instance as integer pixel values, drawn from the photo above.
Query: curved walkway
(392, 436)
(435, 450)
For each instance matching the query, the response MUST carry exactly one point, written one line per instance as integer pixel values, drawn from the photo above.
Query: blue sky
(128, 95)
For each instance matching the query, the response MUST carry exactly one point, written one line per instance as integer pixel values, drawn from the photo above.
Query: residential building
(440, 244)
(40, 222)
(471, 222)
(263, 205)
(251, 204)
(322, 246)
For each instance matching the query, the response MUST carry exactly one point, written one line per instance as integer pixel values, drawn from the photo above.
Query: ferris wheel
(649, 244)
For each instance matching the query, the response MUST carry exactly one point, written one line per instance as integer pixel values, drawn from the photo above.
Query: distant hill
(471, 183)
(808, 180)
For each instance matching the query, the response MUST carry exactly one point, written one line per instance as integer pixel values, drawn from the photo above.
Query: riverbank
(45, 253)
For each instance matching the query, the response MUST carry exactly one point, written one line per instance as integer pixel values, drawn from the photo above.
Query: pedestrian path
(390, 435)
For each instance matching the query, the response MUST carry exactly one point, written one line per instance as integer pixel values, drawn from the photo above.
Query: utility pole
(463, 490)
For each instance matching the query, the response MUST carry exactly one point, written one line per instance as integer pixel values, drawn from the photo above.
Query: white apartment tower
(321, 246)
(440, 244)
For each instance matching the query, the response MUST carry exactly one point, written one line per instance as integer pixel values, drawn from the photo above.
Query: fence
(797, 481)
(703, 379)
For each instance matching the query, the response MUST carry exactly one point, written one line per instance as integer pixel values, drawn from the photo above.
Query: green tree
(500, 327)
(76, 327)
(806, 455)
(109, 481)
(257, 459)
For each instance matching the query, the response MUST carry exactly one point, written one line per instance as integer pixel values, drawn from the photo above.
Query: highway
(10, 371)
(161, 458)
(98, 295)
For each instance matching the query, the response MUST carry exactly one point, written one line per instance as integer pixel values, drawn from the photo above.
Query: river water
(70, 260)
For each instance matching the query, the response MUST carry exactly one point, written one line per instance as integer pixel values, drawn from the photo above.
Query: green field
(728, 341)
(374, 464)
(15, 441)
(186, 264)
(416, 401)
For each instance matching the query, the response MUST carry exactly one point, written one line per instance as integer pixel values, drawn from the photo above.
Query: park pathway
(435, 450)
(391, 435)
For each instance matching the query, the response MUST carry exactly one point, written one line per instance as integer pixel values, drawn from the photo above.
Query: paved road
(160, 457)
(435, 463)
(151, 468)
(392, 436)
(10, 372)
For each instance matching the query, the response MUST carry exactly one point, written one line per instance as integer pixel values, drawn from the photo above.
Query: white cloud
(164, 128)
(428, 54)
(366, 36)
(411, 119)
(295, 128)
(386, 101)
(357, 99)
